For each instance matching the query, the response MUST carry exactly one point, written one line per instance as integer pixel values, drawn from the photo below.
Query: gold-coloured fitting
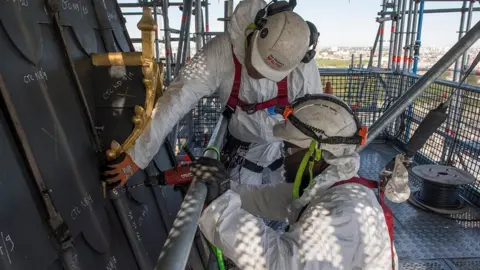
(152, 79)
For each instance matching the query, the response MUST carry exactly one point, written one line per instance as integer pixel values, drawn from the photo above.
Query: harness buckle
(250, 108)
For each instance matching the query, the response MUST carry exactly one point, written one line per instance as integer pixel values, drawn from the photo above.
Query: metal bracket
(152, 79)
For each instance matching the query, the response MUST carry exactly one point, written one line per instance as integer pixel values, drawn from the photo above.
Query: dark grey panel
(47, 105)
(111, 21)
(20, 20)
(24, 239)
(81, 17)
(118, 256)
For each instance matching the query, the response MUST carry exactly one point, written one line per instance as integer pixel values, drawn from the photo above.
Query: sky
(341, 22)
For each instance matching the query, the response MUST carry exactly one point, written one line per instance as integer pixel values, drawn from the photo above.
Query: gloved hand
(118, 171)
(213, 173)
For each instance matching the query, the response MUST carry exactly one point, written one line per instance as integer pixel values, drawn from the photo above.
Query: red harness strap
(386, 211)
(234, 100)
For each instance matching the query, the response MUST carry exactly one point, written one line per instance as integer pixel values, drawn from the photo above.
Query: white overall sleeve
(200, 77)
(266, 201)
(324, 238)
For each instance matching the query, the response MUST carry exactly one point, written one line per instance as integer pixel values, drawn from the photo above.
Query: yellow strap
(214, 149)
(313, 151)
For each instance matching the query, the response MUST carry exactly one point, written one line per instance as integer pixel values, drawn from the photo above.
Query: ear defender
(313, 42)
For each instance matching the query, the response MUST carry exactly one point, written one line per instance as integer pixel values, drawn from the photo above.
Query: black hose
(440, 196)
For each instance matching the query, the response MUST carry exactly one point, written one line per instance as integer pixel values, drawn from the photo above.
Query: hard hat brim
(289, 133)
(259, 63)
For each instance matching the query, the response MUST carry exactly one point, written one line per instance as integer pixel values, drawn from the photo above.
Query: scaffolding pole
(461, 31)
(413, 36)
(408, 46)
(401, 33)
(207, 21)
(418, 42)
(382, 35)
(176, 250)
(392, 36)
(168, 44)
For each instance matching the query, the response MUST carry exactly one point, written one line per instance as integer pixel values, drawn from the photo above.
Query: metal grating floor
(424, 240)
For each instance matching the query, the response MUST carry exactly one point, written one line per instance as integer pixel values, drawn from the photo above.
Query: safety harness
(387, 213)
(236, 146)
(234, 100)
(314, 154)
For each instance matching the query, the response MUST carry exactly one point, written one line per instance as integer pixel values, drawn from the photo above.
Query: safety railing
(456, 142)
(370, 93)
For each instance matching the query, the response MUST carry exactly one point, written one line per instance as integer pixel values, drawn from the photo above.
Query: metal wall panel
(26, 246)
(44, 68)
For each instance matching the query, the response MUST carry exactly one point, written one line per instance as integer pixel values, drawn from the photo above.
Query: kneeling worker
(335, 219)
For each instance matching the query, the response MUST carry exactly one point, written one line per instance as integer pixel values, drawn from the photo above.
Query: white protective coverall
(212, 69)
(342, 227)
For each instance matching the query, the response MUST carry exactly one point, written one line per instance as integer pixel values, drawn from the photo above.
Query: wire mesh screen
(456, 142)
(205, 118)
(368, 94)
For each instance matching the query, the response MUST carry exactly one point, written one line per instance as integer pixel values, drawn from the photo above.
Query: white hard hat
(280, 45)
(327, 116)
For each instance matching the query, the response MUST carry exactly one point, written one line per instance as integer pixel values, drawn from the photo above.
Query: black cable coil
(440, 196)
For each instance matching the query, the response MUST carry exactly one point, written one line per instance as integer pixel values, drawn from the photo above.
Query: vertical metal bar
(456, 74)
(207, 20)
(204, 37)
(407, 38)
(225, 23)
(395, 40)
(176, 250)
(392, 37)
(360, 61)
(157, 48)
(422, 84)
(186, 44)
(168, 44)
(469, 25)
(418, 42)
(413, 36)
(401, 33)
(382, 34)
(181, 38)
(198, 25)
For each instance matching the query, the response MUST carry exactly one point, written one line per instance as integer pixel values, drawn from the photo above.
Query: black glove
(213, 173)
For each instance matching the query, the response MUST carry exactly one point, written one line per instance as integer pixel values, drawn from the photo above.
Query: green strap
(218, 254)
(313, 154)
(214, 149)
(217, 251)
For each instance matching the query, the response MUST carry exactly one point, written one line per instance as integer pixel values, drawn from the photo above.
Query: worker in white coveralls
(265, 59)
(335, 219)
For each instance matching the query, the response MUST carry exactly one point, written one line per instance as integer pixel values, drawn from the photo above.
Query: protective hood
(242, 17)
(341, 168)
